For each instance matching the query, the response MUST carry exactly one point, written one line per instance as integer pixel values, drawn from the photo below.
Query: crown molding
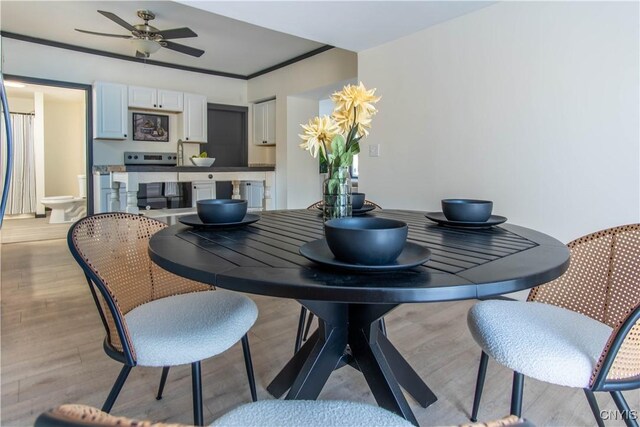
(91, 51)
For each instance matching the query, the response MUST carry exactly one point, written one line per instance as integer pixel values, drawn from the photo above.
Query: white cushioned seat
(309, 413)
(190, 327)
(541, 341)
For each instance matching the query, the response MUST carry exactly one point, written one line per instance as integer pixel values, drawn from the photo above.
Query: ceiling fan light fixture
(146, 46)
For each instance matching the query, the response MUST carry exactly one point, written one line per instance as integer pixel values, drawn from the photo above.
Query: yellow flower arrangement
(337, 138)
(318, 133)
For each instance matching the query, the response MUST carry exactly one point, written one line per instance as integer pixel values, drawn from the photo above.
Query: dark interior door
(227, 136)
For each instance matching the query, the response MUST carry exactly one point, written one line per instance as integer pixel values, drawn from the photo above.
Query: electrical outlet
(374, 150)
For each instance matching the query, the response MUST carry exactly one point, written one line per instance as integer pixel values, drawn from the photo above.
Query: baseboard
(44, 215)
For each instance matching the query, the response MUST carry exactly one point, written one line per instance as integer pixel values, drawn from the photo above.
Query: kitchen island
(130, 176)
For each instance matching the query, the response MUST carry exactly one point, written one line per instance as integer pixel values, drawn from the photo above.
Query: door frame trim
(88, 125)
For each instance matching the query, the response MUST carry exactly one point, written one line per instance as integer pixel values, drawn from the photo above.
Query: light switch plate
(374, 150)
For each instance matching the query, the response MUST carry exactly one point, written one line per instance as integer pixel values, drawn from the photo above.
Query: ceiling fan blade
(141, 55)
(177, 33)
(117, 20)
(103, 34)
(183, 49)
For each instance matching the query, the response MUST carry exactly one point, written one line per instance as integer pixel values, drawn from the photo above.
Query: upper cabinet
(155, 99)
(110, 120)
(264, 123)
(170, 100)
(112, 102)
(194, 118)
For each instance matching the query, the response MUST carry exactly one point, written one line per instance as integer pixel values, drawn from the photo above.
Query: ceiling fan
(148, 39)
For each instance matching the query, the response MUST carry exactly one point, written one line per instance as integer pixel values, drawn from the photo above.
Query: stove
(146, 158)
(159, 195)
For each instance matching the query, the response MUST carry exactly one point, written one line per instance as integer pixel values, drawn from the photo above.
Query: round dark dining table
(263, 258)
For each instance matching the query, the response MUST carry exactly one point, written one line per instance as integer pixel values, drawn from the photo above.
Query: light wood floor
(51, 340)
(31, 229)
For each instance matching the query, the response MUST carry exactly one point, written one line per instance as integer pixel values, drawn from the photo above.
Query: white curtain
(22, 190)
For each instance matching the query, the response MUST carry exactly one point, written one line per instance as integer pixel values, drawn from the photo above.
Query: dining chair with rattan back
(151, 316)
(305, 316)
(318, 205)
(580, 330)
(281, 413)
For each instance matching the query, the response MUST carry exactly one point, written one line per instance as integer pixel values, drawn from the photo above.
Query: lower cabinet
(105, 196)
(253, 193)
(201, 190)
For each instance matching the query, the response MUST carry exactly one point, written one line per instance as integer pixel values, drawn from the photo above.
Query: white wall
(533, 105)
(64, 146)
(38, 148)
(33, 60)
(301, 192)
(325, 69)
(20, 105)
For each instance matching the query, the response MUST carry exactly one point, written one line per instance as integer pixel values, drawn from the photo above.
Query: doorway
(227, 128)
(51, 125)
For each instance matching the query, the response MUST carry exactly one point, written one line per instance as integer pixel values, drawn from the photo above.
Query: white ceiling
(230, 46)
(351, 25)
(238, 37)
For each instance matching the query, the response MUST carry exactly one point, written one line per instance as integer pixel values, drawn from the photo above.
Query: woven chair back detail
(603, 282)
(114, 247)
(318, 205)
(626, 364)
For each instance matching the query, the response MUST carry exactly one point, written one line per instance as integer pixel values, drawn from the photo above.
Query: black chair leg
(115, 390)
(482, 372)
(163, 380)
(303, 317)
(196, 385)
(630, 418)
(516, 394)
(593, 404)
(383, 327)
(308, 327)
(249, 365)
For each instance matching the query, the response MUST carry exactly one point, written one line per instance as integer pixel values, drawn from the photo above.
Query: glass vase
(336, 193)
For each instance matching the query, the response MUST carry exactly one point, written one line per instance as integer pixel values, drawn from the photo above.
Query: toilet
(68, 208)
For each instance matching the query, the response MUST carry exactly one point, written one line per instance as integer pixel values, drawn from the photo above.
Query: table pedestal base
(350, 333)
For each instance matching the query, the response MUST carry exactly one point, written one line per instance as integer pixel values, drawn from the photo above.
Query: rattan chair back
(318, 205)
(603, 282)
(76, 415)
(112, 249)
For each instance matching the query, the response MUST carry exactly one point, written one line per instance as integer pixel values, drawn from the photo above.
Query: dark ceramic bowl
(469, 210)
(366, 241)
(357, 200)
(213, 211)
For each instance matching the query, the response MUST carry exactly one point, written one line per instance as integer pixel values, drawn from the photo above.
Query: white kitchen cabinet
(110, 118)
(264, 123)
(202, 190)
(149, 98)
(143, 97)
(170, 100)
(194, 118)
(253, 193)
(105, 196)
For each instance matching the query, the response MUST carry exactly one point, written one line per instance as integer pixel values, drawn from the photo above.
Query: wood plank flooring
(51, 351)
(30, 229)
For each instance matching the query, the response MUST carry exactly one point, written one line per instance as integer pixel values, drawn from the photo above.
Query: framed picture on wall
(150, 127)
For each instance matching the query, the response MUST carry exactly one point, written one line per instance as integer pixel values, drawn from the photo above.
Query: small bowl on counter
(212, 211)
(366, 241)
(467, 210)
(203, 161)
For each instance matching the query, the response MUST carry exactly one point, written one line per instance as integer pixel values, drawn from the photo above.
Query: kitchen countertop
(105, 169)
